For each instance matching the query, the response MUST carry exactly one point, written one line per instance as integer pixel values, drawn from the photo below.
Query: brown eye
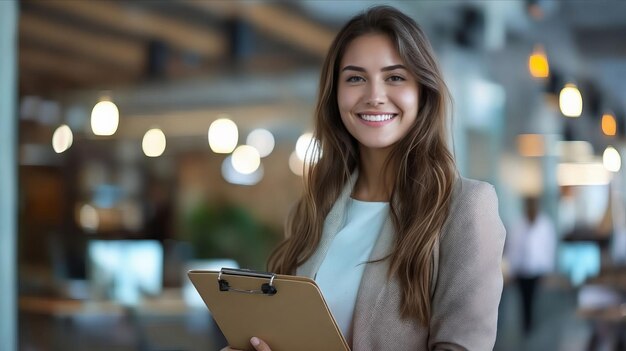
(396, 79)
(355, 79)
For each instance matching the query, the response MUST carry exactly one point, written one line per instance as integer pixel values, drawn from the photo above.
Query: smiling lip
(377, 119)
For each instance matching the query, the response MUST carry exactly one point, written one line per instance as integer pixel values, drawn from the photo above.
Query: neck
(375, 182)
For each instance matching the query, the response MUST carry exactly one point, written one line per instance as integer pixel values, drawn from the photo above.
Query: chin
(377, 145)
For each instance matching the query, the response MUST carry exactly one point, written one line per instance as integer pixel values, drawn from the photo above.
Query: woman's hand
(259, 345)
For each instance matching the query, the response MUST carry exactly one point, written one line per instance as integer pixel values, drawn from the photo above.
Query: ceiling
(208, 54)
(70, 45)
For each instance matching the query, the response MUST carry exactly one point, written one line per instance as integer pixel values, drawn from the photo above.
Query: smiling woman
(377, 95)
(405, 251)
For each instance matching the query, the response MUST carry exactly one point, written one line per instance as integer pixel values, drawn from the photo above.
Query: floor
(556, 328)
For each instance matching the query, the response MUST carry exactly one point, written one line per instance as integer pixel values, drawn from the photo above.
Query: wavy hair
(425, 167)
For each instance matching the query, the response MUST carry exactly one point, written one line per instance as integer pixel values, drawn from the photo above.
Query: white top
(531, 247)
(339, 275)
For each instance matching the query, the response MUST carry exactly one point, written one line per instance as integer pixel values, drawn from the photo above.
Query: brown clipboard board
(287, 312)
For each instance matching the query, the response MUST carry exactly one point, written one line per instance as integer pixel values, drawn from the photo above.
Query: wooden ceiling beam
(44, 82)
(178, 34)
(32, 61)
(289, 27)
(121, 52)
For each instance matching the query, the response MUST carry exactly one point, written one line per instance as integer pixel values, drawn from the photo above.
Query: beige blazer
(466, 285)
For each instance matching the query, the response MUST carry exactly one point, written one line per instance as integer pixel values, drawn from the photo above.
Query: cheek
(408, 100)
(346, 99)
(343, 105)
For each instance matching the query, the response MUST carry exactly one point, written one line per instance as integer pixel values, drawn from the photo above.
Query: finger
(259, 345)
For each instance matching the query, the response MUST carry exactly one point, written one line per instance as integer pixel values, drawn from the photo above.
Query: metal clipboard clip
(266, 288)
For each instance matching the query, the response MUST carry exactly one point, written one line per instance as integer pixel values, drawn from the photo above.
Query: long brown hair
(425, 167)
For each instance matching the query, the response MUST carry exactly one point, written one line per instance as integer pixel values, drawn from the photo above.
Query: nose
(376, 94)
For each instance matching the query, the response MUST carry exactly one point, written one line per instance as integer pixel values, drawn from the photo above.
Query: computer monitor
(125, 270)
(579, 261)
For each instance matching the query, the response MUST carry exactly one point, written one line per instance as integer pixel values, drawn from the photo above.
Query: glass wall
(8, 175)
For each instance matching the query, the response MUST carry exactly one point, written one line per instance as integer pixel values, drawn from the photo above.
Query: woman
(406, 252)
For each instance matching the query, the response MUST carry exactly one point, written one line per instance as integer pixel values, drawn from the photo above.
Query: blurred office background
(141, 139)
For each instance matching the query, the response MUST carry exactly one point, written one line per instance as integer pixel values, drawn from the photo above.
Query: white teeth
(376, 118)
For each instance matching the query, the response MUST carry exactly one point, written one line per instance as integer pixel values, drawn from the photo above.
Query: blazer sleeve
(468, 284)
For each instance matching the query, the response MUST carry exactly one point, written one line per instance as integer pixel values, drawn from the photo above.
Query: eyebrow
(361, 69)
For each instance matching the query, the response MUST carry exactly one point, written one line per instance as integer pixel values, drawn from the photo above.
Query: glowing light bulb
(609, 125)
(296, 165)
(105, 118)
(308, 148)
(233, 176)
(611, 159)
(538, 63)
(153, 143)
(262, 140)
(246, 159)
(570, 101)
(62, 139)
(223, 136)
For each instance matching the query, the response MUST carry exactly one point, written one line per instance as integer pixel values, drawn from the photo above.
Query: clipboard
(287, 312)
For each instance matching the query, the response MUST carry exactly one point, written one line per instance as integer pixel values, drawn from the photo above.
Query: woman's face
(377, 95)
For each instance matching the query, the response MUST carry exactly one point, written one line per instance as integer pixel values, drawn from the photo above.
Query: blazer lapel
(333, 223)
(372, 287)
(374, 280)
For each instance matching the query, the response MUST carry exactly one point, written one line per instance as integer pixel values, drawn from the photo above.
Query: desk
(608, 319)
(59, 307)
(160, 323)
(169, 303)
(611, 277)
(612, 314)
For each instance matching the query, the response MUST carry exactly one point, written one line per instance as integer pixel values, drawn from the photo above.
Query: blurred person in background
(406, 252)
(530, 251)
